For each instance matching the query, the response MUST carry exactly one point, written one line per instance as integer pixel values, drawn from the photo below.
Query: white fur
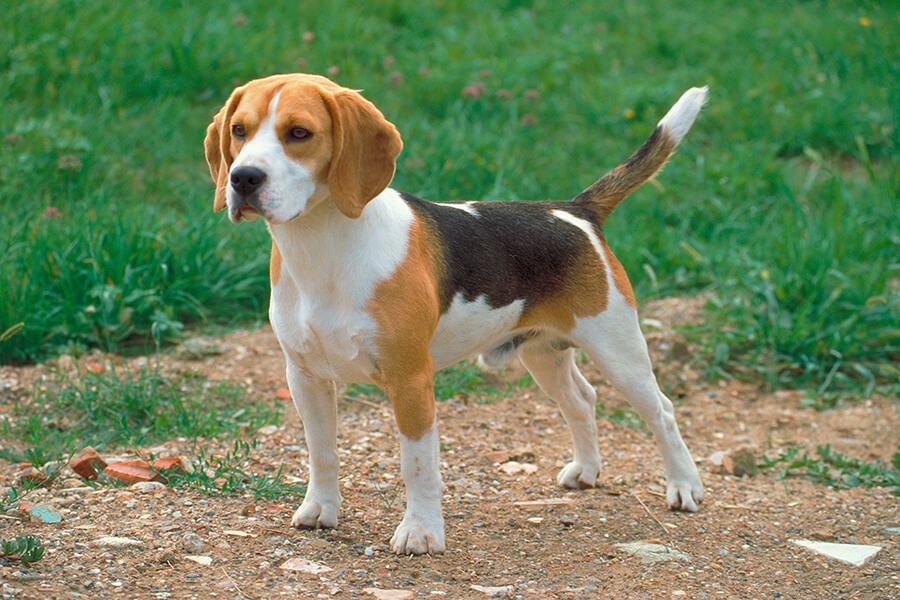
(289, 189)
(468, 207)
(330, 268)
(471, 327)
(422, 529)
(681, 116)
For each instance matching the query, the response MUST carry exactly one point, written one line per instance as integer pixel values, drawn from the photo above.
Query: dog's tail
(606, 193)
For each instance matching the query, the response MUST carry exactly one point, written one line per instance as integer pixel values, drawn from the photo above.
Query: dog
(373, 285)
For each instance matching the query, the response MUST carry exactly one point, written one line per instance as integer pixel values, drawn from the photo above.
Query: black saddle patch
(510, 251)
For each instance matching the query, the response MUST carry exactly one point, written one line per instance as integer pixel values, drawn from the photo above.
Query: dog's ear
(366, 146)
(218, 148)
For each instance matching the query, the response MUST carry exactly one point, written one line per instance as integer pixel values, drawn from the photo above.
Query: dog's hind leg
(556, 373)
(613, 339)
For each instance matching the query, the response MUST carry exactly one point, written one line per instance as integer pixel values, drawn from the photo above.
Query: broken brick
(132, 471)
(87, 463)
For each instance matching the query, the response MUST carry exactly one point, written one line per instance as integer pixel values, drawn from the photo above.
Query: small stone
(535, 520)
(740, 462)
(192, 544)
(147, 487)
(117, 542)
(889, 530)
(44, 514)
(504, 591)
(567, 520)
(200, 560)
(652, 552)
(854, 554)
(302, 565)
(389, 594)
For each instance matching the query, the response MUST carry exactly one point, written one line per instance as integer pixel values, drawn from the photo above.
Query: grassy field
(781, 204)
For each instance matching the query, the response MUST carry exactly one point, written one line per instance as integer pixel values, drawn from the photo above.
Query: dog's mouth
(245, 212)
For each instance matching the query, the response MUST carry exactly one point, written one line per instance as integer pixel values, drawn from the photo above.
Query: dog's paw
(684, 494)
(576, 475)
(415, 538)
(315, 515)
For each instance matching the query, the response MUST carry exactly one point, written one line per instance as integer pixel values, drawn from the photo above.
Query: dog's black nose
(246, 180)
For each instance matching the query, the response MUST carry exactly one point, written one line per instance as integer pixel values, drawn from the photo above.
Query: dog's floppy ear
(218, 148)
(366, 146)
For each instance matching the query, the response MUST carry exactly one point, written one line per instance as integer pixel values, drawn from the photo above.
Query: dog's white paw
(316, 515)
(576, 475)
(416, 538)
(684, 494)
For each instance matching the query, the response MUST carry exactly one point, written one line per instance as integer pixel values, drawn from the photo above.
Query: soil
(559, 544)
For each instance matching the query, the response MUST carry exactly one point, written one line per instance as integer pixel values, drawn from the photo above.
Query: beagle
(373, 285)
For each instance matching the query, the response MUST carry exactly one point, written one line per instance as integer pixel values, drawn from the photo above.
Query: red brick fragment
(166, 464)
(87, 463)
(132, 471)
(35, 477)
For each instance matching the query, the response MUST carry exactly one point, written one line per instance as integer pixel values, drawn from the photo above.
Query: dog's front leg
(422, 529)
(316, 402)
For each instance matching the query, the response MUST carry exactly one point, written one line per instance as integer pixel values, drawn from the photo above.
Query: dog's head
(283, 144)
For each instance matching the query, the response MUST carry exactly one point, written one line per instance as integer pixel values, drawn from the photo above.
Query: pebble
(147, 487)
(44, 514)
(652, 552)
(192, 544)
(117, 542)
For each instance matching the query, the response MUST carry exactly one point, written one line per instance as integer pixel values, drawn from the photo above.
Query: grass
(836, 470)
(119, 408)
(781, 203)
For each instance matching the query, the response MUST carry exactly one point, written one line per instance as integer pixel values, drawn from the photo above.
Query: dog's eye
(298, 133)
(238, 131)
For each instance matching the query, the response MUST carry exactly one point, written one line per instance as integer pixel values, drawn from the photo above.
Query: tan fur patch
(585, 293)
(405, 310)
(620, 279)
(274, 265)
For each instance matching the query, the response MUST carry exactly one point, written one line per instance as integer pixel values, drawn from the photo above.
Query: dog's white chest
(325, 341)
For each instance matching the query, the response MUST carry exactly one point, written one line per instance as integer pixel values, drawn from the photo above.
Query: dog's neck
(325, 248)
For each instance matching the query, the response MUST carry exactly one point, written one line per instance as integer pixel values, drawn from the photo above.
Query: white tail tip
(680, 117)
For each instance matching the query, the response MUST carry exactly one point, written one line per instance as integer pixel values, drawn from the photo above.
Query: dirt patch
(560, 544)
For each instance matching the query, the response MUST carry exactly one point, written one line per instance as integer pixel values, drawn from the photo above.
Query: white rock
(148, 487)
(302, 565)
(117, 542)
(200, 560)
(504, 591)
(854, 554)
(652, 552)
(389, 594)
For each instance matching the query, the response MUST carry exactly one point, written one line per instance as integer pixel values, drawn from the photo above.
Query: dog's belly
(471, 327)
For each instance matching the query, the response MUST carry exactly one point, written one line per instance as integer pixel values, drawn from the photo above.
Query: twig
(361, 401)
(234, 583)
(647, 510)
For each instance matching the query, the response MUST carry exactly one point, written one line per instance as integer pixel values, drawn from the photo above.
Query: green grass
(782, 201)
(120, 408)
(836, 470)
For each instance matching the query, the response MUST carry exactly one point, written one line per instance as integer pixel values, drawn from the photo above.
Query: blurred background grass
(782, 204)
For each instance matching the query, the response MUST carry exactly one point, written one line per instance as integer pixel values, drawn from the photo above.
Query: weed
(118, 407)
(229, 474)
(26, 549)
(836, 470)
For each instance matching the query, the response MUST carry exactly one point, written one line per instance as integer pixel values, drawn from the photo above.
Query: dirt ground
(558, 544)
